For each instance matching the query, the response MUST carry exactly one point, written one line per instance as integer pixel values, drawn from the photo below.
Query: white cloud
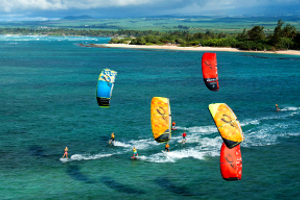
(12, 5)
(41, 8)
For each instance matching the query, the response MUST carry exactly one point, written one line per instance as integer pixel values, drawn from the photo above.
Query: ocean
(47, 94)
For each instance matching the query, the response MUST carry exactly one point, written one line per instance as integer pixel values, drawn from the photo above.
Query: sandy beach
(169, 47)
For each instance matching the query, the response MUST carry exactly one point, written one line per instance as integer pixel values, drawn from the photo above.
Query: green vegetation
(57, 32)
(283, 38)
(76, 32)
(254, 33)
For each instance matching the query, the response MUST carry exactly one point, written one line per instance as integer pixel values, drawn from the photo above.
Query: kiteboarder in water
(66, 152)
(277, 108)
(167, 147)
(183, 137)
(173, 125)
(112, 137)
(135, 154)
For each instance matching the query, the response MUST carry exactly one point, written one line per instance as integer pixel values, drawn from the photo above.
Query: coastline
(169, 47)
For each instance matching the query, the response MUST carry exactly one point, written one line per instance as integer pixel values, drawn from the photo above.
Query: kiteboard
(112, 143)
(64, 159)
(133, 157)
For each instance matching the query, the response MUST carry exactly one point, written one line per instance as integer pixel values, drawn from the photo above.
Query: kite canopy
(104, 87)
(210, 71)
(228, 125)
(161, 119)
(231, 163)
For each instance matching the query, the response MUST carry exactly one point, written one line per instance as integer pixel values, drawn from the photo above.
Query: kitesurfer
(277, 108)
(183, 136)
(173, 125)
(135, 154)
(167, 147)
(66, 152)
(112, 137)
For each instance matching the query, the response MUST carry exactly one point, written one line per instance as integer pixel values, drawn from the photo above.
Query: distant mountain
(78, 17)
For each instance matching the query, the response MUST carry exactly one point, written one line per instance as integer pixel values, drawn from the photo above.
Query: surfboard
(164, 151)
(133, 158)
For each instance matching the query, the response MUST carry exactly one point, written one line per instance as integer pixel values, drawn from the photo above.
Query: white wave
(180, 128)
(277, 116)
(79, 157)
(199, 144)
(45, 38)
(121, 144)
(290, 109)
(173, 156)
(288, 135)
(144, 144)
(267, 134)
(138, 144)
(249, 121)
(195, 134)
(203, 129)
(64, 160)
(206, 147)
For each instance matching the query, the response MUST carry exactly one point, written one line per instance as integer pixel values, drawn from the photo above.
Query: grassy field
(192, 24)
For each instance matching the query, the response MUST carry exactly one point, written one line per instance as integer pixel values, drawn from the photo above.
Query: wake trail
(202, 141)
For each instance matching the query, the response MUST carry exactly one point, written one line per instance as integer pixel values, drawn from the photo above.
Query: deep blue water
(47, 94)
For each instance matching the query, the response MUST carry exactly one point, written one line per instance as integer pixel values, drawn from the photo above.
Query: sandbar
(174, 47)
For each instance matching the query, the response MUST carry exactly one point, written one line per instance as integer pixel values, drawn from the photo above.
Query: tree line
(76, 32)
(284, 37)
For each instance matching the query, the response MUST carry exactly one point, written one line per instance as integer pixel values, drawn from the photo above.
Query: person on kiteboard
(167, 147)
(183, 136)
(135, 154)
(277, 108)
(66, 152)
(112, 137)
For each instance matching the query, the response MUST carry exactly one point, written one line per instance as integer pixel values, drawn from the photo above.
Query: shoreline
(168, 47)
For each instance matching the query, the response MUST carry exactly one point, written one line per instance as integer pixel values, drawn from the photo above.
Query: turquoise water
(47, 93)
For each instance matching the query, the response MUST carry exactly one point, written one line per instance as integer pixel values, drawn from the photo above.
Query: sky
(39, 10)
